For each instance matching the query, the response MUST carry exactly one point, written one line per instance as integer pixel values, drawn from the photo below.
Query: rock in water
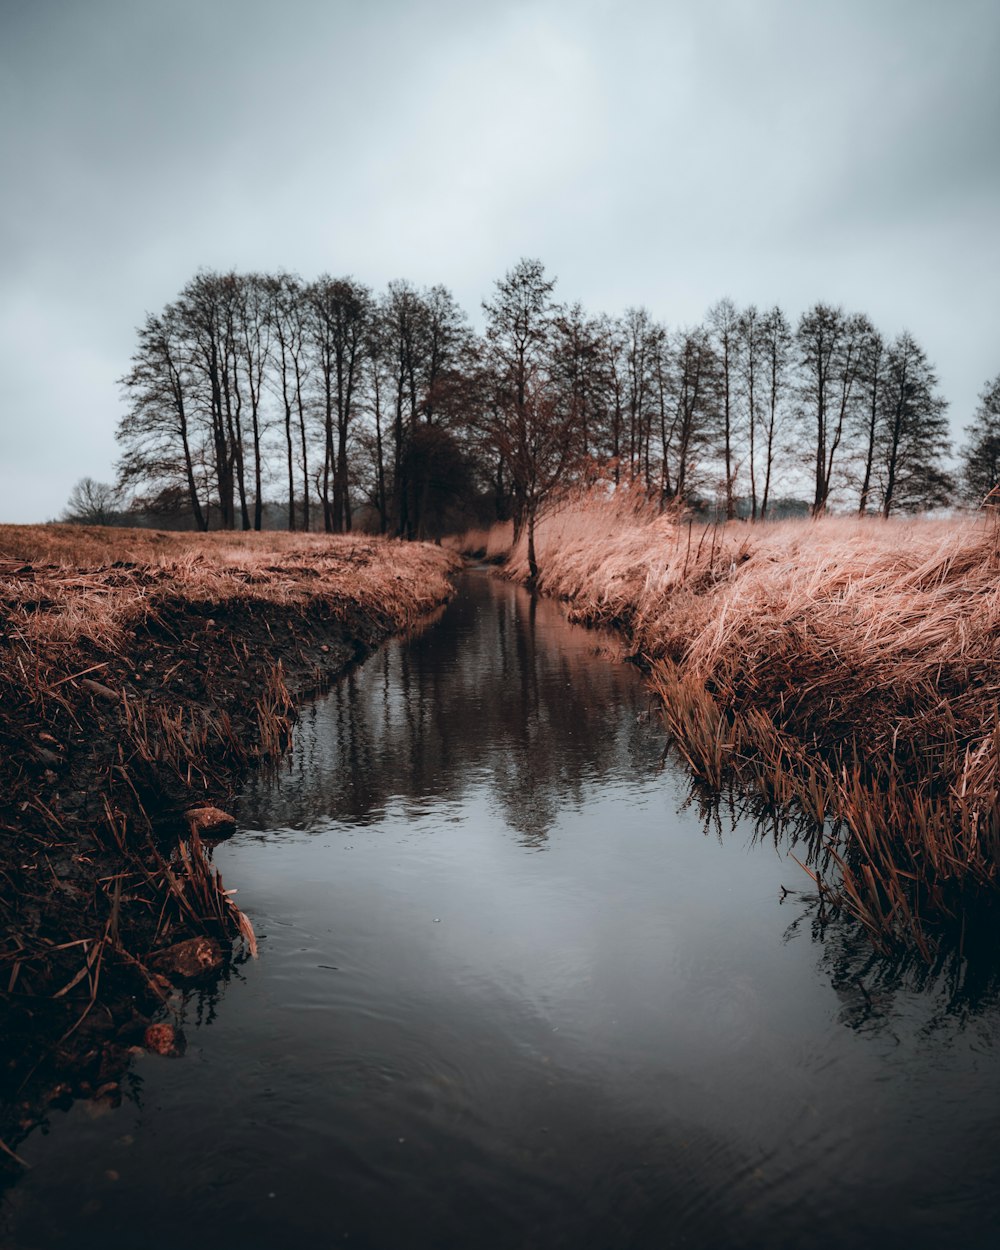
(188, 959)
(212, 822)
(163, 1039)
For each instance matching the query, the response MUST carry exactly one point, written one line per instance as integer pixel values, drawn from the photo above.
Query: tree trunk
(328, 457)
(341, 504)
(300, 406)
(288, 448)
(893, 463)
(380, 499)
(258, 502)
(200, 520)
(532, 558)
(869, 455)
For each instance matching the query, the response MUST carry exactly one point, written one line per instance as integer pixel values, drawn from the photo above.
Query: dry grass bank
(849, 668)
(94, 580)
(140, 672)
(180, 636)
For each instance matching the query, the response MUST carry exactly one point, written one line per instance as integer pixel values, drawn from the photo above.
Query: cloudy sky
(659, 153)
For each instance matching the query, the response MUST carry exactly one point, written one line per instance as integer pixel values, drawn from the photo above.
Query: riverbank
(141, 674)
(843, 670)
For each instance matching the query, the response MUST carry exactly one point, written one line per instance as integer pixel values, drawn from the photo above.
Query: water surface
(515, 991)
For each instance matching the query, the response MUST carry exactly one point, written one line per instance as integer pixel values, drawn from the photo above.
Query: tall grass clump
(848, 666)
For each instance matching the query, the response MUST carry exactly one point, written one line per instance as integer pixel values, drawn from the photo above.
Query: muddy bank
(133, 692)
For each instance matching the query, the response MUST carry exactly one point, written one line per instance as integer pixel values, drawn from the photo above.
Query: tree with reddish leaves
(534, 426)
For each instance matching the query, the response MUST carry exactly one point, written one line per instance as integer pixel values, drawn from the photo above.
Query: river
(520, 986)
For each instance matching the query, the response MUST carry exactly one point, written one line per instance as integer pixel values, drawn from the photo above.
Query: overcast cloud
(663, 154)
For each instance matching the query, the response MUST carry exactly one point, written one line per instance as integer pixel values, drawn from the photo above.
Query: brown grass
(140, 672)
(848, 666)
(90, 582)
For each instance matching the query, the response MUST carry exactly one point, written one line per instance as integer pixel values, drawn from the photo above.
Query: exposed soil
(104, 746)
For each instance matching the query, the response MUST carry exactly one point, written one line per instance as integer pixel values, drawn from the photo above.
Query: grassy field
(94, 578)
(845, 669)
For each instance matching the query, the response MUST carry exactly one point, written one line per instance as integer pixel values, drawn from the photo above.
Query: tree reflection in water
(518, 709)
(502, 699)
(652, 1033)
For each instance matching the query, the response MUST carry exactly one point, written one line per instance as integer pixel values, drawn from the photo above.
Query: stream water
(517, 988)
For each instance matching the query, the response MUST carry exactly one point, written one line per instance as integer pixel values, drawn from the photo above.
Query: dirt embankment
(140, 676)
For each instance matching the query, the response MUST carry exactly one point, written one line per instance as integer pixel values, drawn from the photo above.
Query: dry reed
(848, 666)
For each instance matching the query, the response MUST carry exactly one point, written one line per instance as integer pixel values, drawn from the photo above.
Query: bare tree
(577, 365)
(818, 338)
(538, 443)
(378, 362)
(981, 454)
(287, 315)
(445, 341)
(396, 402)
(613, 369)
(871, 379)
(403, 316)
(695, 392)
(642, 341)
(93, 503)
(162, 446)
(723, 321)
(667, 410)
(776, 346)
(229, 293)
(750, 369)
(205, 313)
(830, 352)
(519, 322)
(340, 311)
(913, 431)
(535, 428)
(254, 327)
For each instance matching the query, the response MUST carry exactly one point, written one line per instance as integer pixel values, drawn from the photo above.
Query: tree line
(389, 411)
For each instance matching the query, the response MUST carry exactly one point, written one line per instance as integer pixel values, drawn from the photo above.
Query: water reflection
(960, 982)
(500, 693)
(647, 1035)
(501, 704)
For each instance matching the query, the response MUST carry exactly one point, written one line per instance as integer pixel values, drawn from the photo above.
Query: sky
(663, 154)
